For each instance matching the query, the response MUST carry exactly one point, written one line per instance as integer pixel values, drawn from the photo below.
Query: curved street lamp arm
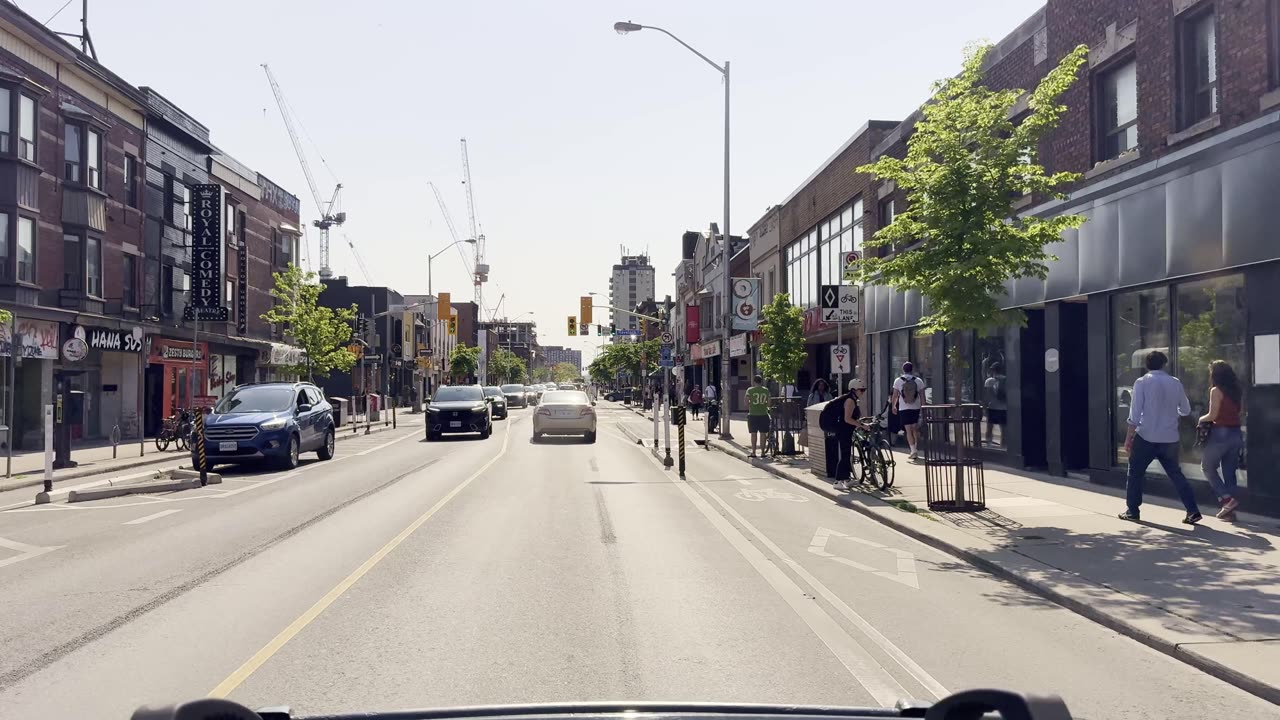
(687, 46)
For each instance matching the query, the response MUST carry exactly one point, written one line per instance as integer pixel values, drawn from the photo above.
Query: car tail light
(586, 411)
(544, 411)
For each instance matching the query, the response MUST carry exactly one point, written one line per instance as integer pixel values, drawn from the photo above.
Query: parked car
(515, 395)
(565, 412)
(459, 409)
(497, 401)
(274, 422)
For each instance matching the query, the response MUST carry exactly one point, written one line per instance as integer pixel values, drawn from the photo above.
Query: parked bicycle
(176, 429)
(875, 454)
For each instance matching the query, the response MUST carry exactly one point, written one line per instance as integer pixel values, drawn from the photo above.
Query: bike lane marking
(152, 516)
(905, 561)
(25, 551)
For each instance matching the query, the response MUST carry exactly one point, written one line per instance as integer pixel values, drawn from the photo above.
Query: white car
(565, 412)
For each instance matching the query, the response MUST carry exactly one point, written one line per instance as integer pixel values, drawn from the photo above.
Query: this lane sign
(839, 303)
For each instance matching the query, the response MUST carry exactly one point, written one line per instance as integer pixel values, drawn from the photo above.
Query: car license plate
(228, 446)
(455, 423)
(565, 413)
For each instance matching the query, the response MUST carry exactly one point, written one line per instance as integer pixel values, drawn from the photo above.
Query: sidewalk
(28, 467)
(1208, 595)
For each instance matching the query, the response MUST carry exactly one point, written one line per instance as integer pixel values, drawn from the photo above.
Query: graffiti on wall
(36, 339)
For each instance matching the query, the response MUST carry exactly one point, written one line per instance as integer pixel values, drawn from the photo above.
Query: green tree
(565, 372)
(506, 367)
(782, 352)
(966, 163)
(542, 374)
(463, 362)
(598, 372)
(320, 331)
(626, 357)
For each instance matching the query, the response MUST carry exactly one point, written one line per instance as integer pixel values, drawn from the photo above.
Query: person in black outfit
(848, 422)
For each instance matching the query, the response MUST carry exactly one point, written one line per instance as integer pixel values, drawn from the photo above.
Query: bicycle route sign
(839, 304)
(840, 359)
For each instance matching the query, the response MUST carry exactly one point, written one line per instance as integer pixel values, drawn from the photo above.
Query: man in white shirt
(710, 393)
(905, 401)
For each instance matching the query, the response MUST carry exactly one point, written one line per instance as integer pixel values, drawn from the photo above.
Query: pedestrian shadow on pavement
(1221, 581)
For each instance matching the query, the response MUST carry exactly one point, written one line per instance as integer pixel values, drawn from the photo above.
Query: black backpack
(832, 415)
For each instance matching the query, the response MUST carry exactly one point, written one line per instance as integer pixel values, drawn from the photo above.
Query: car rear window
(512, 388)
(492, 390)
(566, 397)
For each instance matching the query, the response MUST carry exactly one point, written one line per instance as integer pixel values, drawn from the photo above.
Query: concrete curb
(867, 505)
(159, 458)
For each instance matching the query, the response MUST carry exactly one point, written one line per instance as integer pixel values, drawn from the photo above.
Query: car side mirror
(593, 403)
(304, 408)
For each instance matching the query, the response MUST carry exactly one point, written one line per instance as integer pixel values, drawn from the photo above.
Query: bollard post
(666, 420)
(115, 440)
(43, 497)
(680, 422)
(200, 456)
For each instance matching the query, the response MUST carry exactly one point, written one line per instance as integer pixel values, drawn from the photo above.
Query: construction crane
(481, 270)
(330, 214)
(448, 221)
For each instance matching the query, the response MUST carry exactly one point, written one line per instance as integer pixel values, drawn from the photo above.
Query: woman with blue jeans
(1225, 437)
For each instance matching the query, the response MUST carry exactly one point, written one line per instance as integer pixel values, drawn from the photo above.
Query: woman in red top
(1225, 437)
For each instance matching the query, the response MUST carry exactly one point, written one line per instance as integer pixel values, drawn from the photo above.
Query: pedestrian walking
(695, 401)
(905, 401)
(1224, 439)
(1158, 400)
(818, 393)
(850, 421)
(757, 412)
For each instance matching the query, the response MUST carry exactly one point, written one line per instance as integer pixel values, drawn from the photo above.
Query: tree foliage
(967, 161)
(320, 331)
(565, 372)
(542, 374)
(624, 357)
(505, 367)
(782, 352)
(463, 362)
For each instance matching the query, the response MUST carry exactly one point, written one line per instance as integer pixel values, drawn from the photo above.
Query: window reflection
(1211, 326)
(1139, 324)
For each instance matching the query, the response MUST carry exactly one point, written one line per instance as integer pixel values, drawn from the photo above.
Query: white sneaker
(842, 486)
(913, 455)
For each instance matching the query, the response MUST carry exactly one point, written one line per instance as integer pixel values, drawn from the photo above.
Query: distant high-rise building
(555, 355)
(631, 284)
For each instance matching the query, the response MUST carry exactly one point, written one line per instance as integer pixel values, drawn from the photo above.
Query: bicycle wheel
(183, 437)
(885, 463)
(162, 441)
(864, 462)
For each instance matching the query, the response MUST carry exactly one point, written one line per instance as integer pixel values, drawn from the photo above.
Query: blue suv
(269, 421)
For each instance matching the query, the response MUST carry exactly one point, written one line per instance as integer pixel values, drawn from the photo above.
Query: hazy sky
(581, 141)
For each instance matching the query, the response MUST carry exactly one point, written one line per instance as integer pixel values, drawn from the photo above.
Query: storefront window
(991, 369)
(899, 352)
(1139, 324)
(1210, 326)
(959, 359)
(922, 358)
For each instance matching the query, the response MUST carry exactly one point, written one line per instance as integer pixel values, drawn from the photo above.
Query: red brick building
(1173, 125)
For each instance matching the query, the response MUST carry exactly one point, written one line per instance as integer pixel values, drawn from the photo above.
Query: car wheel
(326, 448)
(537, 437)
(290, 459)
(433, 437)
(591, 436)
(488, 430)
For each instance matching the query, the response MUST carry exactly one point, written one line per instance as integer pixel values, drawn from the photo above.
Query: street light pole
(622, 28)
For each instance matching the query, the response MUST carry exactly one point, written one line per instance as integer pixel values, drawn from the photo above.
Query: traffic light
(453, 324)
(573, 325)
(613, 329)
(362, 326)
(585, 309)
(600, 330)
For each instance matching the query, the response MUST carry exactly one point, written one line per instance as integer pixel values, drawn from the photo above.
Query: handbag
(1202, 433)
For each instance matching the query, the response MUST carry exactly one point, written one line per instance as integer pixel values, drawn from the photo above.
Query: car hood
(457, 405)
(212, 420)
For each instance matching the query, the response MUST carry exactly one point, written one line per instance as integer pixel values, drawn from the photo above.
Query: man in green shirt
(757, 412)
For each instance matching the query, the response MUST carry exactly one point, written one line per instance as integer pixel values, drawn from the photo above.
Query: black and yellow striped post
(679, 413)
(203, 465)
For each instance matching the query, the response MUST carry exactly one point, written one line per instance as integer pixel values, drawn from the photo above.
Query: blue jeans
(1140, 459)
(1223, 447)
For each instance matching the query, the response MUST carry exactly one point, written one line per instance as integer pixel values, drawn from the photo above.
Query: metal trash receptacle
(341, 410)
(954, 479)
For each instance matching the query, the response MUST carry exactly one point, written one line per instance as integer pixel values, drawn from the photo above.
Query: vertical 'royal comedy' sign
(206, 254)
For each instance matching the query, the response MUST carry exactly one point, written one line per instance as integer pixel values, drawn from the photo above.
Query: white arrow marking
(26, 552)
(906, 562)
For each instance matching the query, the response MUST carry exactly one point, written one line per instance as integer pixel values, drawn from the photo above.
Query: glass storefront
(899, 352)
(1193, 323)
(979, 363)
(922, 358)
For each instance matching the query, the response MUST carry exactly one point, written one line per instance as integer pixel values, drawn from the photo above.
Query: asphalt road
(406, 573)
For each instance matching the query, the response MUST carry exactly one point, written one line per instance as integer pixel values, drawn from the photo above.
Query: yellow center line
(242, 673)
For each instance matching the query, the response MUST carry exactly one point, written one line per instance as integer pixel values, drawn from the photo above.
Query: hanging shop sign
(283, 355)
(746, 303)
(242, 293)
(738, 345)
(75, 349)
(206, 254)
(710, 349)
(166, 350)
(691, 324)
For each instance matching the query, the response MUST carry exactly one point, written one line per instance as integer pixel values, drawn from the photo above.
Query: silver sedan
(565, 412)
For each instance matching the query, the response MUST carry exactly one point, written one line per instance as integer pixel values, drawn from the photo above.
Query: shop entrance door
(1073, 368)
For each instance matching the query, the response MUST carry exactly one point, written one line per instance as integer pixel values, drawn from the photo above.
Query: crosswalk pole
(680, 431)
